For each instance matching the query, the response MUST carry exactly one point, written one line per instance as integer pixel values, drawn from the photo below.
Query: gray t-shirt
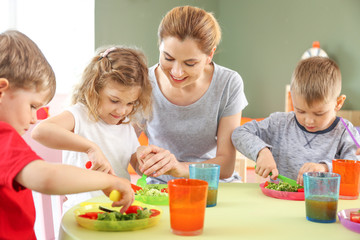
(189, 132)
(292, 145)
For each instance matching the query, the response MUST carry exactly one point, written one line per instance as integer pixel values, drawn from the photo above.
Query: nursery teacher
(196, 103)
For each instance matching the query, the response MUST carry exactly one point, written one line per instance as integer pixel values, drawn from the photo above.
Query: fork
(142, 181)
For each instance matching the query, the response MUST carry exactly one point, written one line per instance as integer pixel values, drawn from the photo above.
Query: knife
(287, 180)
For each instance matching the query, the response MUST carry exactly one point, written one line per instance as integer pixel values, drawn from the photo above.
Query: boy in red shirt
(27, 82)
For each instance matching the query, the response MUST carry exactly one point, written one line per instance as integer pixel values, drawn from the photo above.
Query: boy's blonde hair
(192, 22)
(23, 64)
(126, 66)
(316, 79)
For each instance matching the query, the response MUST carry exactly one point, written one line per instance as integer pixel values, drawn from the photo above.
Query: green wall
(263, 40)
(135, 22)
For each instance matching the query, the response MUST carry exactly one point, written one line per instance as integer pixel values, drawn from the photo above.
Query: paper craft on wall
(314, 51)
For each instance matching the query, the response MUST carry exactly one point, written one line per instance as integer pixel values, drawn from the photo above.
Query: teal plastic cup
(321, 196)
(209, 173)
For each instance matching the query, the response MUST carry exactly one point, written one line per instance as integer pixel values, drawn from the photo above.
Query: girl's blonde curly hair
(126, 66)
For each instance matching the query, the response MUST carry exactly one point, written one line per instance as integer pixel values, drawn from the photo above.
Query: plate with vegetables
(283, 190)
(350, 218)
(155, 194)
(104, 217)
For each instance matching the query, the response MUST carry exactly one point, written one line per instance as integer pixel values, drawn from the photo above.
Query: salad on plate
(104, 217)
(283, 190)
(155, 194)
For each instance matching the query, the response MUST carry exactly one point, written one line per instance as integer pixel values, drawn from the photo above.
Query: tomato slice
(154, 212)
(300, 190)
(133, 209)
(164, 190)
(88, 164)
(135, 188)
(355, 217)
(266, 183)
(90, 215)
(84, 216)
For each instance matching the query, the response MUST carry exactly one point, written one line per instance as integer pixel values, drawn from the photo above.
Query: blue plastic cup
(211, 174)
(321, 196)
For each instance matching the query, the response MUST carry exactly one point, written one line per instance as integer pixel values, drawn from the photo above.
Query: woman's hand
(99, 161)
(310, 167)
(155, 161)
(143, 153)
(265, 164)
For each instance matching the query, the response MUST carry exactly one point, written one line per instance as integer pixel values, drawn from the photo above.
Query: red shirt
(17, 210)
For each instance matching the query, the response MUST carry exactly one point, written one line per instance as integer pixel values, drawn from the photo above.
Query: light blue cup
(211, 174)
(321, 196)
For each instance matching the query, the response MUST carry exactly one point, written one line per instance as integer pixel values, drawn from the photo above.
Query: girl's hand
(155, 161)
(99, 161)
(265, 164)
(310, 167)
(126, 193)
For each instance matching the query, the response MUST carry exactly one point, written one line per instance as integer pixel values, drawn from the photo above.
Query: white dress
(117, 142)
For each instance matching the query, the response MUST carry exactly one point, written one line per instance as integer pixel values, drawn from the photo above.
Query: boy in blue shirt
(311, 136)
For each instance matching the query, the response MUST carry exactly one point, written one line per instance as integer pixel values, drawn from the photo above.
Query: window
(63, 30)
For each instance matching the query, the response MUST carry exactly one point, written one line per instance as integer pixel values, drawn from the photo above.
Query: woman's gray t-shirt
(189, 132)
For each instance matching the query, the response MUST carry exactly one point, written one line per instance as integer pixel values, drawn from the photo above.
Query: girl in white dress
(96, 128)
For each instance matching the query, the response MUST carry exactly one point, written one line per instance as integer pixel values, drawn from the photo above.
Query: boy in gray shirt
(311, 136)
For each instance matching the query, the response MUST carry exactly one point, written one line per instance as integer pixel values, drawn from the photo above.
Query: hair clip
(106, 52)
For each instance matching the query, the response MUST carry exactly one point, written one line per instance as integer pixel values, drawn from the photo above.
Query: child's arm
(252, 137)
(58, 132)
(358, 151)
(60, 179)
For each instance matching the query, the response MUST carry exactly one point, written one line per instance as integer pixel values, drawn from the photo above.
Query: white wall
(64, 31)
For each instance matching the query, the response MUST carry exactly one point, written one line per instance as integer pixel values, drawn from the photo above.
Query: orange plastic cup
(187, 201)
(349, 171)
